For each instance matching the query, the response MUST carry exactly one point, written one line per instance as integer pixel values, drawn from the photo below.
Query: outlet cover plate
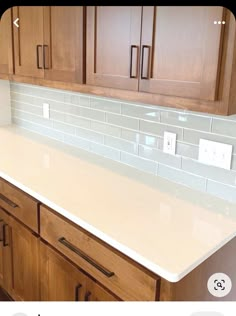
(169, 145)
(215, 154)
(46, 111)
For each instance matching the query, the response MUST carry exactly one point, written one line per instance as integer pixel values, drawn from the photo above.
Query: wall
(5, 104)
(131, 133)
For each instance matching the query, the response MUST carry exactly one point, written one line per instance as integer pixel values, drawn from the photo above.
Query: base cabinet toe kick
(46, 257)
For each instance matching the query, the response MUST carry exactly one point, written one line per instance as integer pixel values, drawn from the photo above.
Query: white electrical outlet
(46, 110)
(215, 154)
(169, 145)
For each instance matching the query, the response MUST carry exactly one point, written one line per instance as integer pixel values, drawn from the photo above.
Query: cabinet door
(63, 43)
(5, 253)
(181, 51)
(60, 280)
(113, 41)
(24, 250)
(28, 41)
(6, 66)
(94, 292)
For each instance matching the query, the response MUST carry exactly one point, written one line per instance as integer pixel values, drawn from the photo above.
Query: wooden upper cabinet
(6, 56)
(181, 51)
(28, 40)
(113, 41)
(49, 42)
(63, 43)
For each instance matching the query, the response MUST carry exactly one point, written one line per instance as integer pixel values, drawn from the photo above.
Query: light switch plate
(46, 110)
(215, 154)
(169, 144)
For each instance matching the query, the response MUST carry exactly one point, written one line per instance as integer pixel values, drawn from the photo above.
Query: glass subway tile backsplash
(131, 133)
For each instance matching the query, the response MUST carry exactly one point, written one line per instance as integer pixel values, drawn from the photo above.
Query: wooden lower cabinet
(19, 269)
(60, 280)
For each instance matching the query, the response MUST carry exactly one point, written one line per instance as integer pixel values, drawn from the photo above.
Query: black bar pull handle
(5, 244)
(80, 253)
(1, 232)
(37, 54)
(77, 292)
(131, 62)
(44, 57)
(87, 295)
(143, 51)
(6, 200)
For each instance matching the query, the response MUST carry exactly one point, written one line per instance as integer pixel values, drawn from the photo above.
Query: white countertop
(168, 228)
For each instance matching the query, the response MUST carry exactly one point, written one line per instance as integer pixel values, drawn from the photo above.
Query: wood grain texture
(60, 279)
(26, 39)
(128, 282)
(63, 37)
(6, 275)
(25, 263)
(110, 33)
(27, 207)
(6, 48)
(184, 51)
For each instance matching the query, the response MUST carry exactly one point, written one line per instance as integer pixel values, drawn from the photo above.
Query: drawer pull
(1, 237)
(67, 244)
(6, 200)
(87, 295)
(77, 292)
(5, 244)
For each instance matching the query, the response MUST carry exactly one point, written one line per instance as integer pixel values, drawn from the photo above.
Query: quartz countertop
(166, 227)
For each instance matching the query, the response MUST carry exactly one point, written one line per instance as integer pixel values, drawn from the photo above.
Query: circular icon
(219, 284)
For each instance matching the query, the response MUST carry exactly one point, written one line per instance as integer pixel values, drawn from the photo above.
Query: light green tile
(192, 137)
(26, 107)
(187, 150)
(77, 141)
(201, 123)
(122, 121)
(105, 151)
(64, 128)
(146, 113)
(221, 190)
(210, 172)
(121, 144)
(139, 163)
(90, 135)
(224, 127)
(159, 129)
(77, 121)
(105, 128)
(105, 105)
(180, 176)
(159, 156)
(32, 118)
(22, 98)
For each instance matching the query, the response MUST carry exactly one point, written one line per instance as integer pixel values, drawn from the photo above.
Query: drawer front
(120, 275)
(19, 204)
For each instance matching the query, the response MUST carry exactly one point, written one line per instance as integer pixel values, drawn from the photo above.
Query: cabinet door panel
(95, 292)
(5, 255)
(28, 59)
(60, 280)
(6, 65)
(24, 249)
(111, 31)
(63, 40)
(183, 50)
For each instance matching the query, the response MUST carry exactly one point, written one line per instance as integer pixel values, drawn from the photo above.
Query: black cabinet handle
(131, 62)
(143, 48)
(44, 57)
(37, 54)
(1, 237)
(87, 295)
(77, 292)
(80, 253)
(5, 244)
(6, 200)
